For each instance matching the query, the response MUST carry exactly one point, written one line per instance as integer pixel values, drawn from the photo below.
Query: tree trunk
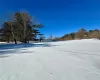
(15, 41)
(8, 41)
(24, 25)
(25, 41)
(40, 40)
(13, 35)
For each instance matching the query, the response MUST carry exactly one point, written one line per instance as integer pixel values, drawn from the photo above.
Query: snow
(63, 60)
(2, 42)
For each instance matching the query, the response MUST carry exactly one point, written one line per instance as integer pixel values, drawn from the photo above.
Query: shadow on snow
(14, 48)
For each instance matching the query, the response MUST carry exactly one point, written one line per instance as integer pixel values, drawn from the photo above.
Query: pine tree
(20, 28)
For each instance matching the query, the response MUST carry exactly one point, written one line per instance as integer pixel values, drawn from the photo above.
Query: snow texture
(64, 60)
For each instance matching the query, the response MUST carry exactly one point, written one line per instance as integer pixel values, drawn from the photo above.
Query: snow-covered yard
(64, 60)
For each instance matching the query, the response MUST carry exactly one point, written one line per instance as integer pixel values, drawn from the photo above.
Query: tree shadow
(6, 49)
(16, 46)
(3, 56)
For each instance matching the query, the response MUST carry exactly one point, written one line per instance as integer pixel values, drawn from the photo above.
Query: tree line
(81, 34)
(20, 28)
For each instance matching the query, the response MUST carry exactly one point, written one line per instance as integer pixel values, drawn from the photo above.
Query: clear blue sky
(58, 16)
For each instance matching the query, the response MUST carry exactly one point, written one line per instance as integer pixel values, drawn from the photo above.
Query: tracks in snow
(85, 52)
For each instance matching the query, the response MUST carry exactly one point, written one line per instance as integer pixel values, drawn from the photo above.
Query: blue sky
(58, 16)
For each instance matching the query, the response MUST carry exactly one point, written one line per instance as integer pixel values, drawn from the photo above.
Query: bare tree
(24, 21)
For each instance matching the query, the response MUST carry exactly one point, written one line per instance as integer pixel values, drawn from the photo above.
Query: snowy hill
(63, 60)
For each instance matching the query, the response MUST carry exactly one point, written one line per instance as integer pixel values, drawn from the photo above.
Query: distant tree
(50, 37)
(41, 37)
(81, 33)
(94, 34)
(72, 36)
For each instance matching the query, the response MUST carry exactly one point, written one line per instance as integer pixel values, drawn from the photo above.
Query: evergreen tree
(20, 28)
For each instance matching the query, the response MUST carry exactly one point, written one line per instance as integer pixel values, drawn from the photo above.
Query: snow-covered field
(64, 60)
